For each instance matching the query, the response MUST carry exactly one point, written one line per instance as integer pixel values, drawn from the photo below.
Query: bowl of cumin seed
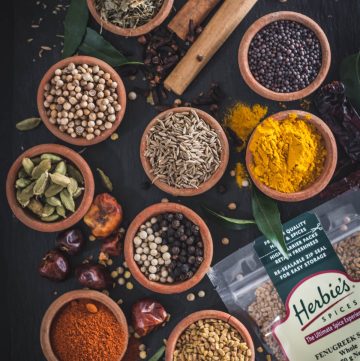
(184, 151)
(130, 18)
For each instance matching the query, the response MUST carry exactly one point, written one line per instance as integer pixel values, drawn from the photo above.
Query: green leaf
(267, 217)
(75, 26)
(350, 76)
(231, 223)
(95, 45)
(157, 355)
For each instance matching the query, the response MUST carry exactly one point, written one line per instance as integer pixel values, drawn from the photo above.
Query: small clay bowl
(59, 303)
(224, 159)
(329, 166)
(121, 92)
(194, 317)
(24, 215)
(255, 28)
(145, 215)
(141, 30)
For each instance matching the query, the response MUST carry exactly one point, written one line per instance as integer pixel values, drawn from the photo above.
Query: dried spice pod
(54, 266)
(94, 276)
(106, 181)
(147, 315)
(112, 244)
(70, 241)
(28, 124)
(104, 216)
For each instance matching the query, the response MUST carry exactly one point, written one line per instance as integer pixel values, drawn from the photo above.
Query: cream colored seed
(129, 286)
(92, 238)
(190, 297)
(232, 206)
(121, 281)
(143, 355)
(114, 136)
(142, 347)
(201, 294)
(225, 241)
(114, 274)
(127, 274)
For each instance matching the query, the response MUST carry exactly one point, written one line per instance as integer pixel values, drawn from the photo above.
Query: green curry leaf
(95, 45)
(75, 26)
(267, 217)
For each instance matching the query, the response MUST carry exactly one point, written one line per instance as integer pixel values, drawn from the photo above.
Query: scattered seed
(105, 292)
(109, 262)
(121, 281)
(34, 26)
(142, 347)
(260, 349)
(114, 136)
(47, 48)
(232, 206)
(92, 238)
(114, 274)
(127, 274)
(245, 183)
(143, 355)
(225, 241)
(164, 200)
(132, 96)
(129, 286)
(120, 270)
(120, 301)
(136, 335)
(268, 358)
(201, 294)
(125, 264)
(190, 297)
(232, 173)
(30, 40)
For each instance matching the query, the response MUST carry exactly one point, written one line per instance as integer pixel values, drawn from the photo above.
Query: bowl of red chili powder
(84, 325)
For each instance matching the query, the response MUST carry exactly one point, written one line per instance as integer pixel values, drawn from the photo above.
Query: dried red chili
(147, 315)
(112, 244)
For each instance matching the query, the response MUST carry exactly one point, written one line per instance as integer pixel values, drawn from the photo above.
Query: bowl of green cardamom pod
(50, 187)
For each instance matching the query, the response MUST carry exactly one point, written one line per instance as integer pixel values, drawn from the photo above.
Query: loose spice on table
(288, 155)
(78, 334)
(242, 119)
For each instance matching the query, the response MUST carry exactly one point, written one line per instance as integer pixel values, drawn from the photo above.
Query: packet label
(322, 303)
(310, 251)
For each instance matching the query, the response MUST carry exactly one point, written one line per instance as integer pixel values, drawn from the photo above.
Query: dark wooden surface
(26, 296)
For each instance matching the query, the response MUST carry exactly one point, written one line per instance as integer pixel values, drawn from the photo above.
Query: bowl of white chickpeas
(81, 100)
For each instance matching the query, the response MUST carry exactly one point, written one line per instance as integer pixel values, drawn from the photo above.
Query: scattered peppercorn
(232, 206)
(190, 297)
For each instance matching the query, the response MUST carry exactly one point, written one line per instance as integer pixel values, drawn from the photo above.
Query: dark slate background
(25, 296)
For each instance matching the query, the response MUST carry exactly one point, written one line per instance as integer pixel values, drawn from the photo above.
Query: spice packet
(306, 308)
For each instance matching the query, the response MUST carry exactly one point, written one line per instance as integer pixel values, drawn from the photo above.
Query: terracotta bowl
(194, 317)
(145, 215)
(141, 30)
(255, 28)
(212, 180)
(325, 176)
(26, 216)
(121, 92)
(59, 303)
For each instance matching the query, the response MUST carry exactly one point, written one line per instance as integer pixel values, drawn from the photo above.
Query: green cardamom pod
(25, 195)
(78, 193)
(53, 201)
(40, 184)
(23, 202)
(60, 168)
(105, 180)
(36, 160)
(53, 190)
(60, 179)
(53, 157)
(22, 183)
(41, 168)
(73, 186)
(52, 218)
(67, 200)
(28, 165)
(75, 173)
(60, 210)
(36, 207)
(47, 210)
(22, 173)
(28, 124)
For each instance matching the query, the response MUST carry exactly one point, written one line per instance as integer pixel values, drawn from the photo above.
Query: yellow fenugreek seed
(142, 347)
(129, 286)
(92, 238)
(114, 136)
(127, 274)
(114, 274)
(143, 355)
(225, 241)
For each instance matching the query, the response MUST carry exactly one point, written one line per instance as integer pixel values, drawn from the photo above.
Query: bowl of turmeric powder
(291, 156)
(84, 325)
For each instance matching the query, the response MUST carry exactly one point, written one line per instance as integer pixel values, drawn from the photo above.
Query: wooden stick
(195, 10)
(220, 27)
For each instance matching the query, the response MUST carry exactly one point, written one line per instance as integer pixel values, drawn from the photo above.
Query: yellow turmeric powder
(288, 155)
(242, 120)
(241, 176)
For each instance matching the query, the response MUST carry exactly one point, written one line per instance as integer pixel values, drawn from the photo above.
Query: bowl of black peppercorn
(284, 56)
(168, 248)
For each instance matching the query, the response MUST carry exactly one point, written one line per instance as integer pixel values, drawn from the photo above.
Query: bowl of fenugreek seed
(212, 335)
(184, 151)
(130, 18)
(81, 100)
(50, 187)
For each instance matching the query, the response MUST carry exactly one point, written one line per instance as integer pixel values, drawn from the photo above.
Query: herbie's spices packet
(306, 307)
